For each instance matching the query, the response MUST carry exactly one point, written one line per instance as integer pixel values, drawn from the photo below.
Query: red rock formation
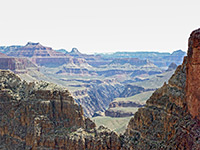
(44, 56)
(35, 50)
(193, 73)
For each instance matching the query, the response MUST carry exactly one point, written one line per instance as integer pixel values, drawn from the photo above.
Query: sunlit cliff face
(192, 74)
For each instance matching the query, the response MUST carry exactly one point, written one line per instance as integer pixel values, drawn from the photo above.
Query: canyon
(42, 115)
(93, 80)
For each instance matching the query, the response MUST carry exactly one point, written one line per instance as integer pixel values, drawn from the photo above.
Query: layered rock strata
(122, 108)
(17, 65)
(57, 61)
(118, 113)
(44, 56)
(44, 116)
(41, 115)
(34, 50)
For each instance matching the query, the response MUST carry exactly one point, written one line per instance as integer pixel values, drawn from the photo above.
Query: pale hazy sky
(100, 25)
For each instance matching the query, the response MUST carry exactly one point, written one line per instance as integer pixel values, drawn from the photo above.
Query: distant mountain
(75, 52)
(34, 50)
(37, 50)
(159, 59)
(93, 60)
(135, 54)
(176, 57)
(42, 55)
(178, 53)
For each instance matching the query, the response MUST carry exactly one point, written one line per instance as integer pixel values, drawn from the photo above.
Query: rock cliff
(17, 65)
(41, 115)
(170, 119)
(193, 72)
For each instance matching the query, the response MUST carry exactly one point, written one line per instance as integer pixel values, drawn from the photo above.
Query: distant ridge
(131, 61)
(35, 50)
